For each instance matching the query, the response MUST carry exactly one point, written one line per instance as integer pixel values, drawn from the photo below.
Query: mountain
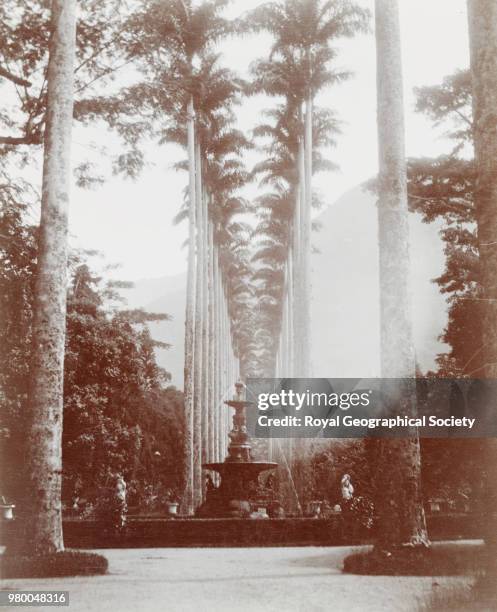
(164, 295)
(345, 294)
(345, 289)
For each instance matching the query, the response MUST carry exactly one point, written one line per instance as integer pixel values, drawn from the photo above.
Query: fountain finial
(239, 390)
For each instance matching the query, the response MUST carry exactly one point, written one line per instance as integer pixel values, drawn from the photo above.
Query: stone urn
(7, 511)
(172, 508)
(314, 509)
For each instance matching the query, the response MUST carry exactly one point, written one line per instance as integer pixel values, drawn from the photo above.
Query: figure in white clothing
(347, 488)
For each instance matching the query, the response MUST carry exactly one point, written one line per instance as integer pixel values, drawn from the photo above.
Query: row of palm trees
(299, 66)
(197, 98)
(199, 115)
(174, 39)
(398, 481)
(190, 99)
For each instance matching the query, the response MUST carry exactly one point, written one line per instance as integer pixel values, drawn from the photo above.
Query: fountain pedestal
(240, 493)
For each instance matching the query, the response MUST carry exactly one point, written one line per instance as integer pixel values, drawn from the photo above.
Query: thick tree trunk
(397, 352)
(188, 496)
(398, 499)
(482, 19)
(44, 439)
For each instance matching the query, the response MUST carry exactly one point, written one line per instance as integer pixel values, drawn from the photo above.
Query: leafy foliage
(441, 190)
(119, 414)
(25, 32)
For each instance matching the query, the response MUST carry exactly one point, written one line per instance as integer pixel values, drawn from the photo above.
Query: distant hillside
(345, 294)
(345, 289)
(164, 295)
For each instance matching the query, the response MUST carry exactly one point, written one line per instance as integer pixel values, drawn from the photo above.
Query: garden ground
(244, 579)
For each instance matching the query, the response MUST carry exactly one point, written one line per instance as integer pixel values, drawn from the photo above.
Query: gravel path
(236, 579)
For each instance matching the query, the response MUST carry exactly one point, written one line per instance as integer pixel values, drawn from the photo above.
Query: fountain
(240, 493)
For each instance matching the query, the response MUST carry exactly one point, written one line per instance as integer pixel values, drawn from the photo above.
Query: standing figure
(347, 489)
(209, 484)
(120, 507)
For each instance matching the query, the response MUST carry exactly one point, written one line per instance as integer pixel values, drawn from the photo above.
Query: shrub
(435, 561)
(66, 563)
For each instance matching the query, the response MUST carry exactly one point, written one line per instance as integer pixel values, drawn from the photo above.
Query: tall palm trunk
(188, 495)
(44, 441)
(220, 354)
(306, 244)
(215, 344)
(213, 410)
(206, 407)
(284, 325)
(297, 450)
(226, 363)
(198, 417)
(299, 222)
(295, 270)
(291, 316)
(482, 18)
(219, 359)
(399, 499)
(223, 356)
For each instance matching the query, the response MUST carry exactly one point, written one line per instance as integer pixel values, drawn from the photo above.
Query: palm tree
(402, 519)
(218, 172)
(169, 36)
(300, 56)
(279, 209)
(291, 158)
(44, 451)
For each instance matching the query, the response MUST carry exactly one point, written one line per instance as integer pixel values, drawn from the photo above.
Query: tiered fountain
(240, 493)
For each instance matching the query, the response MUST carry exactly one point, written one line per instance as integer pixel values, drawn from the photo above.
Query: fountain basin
(240, 492)
(243, 469)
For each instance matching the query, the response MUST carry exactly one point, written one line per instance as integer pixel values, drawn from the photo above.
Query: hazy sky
(131, 222)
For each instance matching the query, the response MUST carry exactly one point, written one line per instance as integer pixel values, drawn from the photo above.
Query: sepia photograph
(248, 305)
